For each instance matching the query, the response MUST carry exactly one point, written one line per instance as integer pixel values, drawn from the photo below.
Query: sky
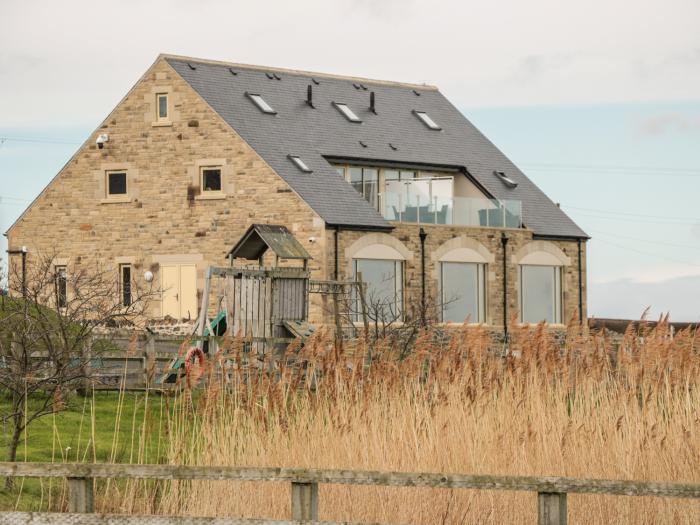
(597, 102)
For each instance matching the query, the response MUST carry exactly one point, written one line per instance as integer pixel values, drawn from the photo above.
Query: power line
(602, 167)
(9, 198)
(630, 214)
(632, 220)
(37, 140)
(648, 253)
(662, 243)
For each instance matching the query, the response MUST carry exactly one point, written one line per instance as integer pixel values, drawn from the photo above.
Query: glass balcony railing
(430, 201)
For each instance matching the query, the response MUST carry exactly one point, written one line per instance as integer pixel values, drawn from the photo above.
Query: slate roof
(322, 132)
(261, 237)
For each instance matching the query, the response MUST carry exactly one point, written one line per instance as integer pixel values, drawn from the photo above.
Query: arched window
(540, 272)
(462, 269)
(378, 259)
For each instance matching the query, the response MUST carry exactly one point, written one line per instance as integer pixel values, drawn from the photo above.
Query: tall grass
(589, 409)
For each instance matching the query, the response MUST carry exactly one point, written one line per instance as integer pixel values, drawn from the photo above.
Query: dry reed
(589, 408)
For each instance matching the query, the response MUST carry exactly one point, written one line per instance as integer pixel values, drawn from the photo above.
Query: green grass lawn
(68, 436)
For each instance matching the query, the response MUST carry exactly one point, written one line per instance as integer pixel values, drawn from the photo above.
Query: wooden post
(338, 323)
(304, 501)
(362, 291)
(81, 498)
(551, 508)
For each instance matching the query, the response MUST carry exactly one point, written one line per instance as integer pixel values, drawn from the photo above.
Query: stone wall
(164, 217)
(490, 239)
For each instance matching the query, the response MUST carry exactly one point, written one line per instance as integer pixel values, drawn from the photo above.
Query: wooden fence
(551, 491)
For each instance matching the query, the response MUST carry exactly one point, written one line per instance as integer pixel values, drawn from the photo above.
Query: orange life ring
(191, 353)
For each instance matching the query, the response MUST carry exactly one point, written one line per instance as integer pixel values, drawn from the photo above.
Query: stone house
(385, 179)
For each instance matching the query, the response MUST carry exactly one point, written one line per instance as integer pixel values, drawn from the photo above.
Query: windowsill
(120, 199)
(548, 325)
(161, 123)
(451, 324)
(210, 196)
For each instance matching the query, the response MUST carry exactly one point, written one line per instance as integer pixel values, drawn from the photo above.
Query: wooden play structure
(266, 306)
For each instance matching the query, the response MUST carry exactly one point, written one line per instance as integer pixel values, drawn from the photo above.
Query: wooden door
(179, 290)
(188, 291)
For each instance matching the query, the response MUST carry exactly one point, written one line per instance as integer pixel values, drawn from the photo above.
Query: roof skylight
(347, 112)
(505, 179)
(260, 102)
(425, 118)
(299, 163)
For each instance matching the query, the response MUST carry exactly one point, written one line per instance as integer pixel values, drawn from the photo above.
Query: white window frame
(558, 294)
(399, 303)
(481, 269)
(159, 117)
(202, 169)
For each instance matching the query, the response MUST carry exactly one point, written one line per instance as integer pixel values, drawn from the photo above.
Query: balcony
(432, 201)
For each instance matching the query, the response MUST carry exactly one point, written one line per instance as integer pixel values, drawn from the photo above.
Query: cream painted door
(179, 289)
(188, 291)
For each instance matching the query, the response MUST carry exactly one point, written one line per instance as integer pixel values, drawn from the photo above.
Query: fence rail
(552, 491)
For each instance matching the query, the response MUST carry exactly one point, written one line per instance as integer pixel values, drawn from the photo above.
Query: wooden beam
(57, 518)
(349, 477)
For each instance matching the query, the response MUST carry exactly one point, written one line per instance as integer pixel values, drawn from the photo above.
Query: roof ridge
(298, 72)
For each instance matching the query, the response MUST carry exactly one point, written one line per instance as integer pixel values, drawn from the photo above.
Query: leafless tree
(375, 314)
(46, 333)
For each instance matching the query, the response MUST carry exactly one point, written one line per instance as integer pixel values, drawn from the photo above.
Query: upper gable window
(425, 119)
(260, 102)
(162, 106)
(211, 179)
(347, 112)
(116, 183)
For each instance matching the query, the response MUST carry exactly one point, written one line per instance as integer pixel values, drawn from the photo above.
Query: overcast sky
(597, 101)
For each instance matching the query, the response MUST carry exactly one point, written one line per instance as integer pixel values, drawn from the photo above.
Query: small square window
(425, 118)
(211, 179)
(260, 102)
(116, 183)
(162, 106)
(347, 112)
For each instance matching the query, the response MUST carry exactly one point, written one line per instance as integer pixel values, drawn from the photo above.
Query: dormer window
(347, 112)
(260, 102)
(162, 106)
(425, 119)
